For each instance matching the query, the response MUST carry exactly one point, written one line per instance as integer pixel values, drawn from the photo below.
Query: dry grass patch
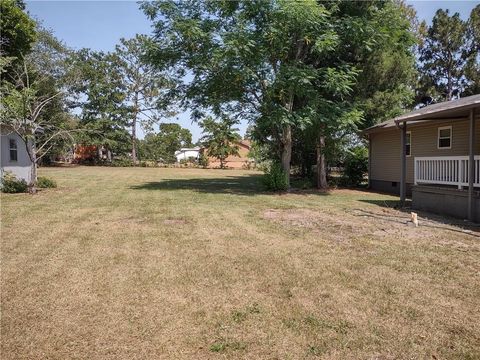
(136, 263)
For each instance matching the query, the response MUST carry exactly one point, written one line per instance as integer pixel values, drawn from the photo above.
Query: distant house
(233, 162)
(187, 153)
(86, 153)
(14, 157)
(432, 154)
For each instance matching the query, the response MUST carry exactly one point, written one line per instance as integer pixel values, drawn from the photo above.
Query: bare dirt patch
(359, 222)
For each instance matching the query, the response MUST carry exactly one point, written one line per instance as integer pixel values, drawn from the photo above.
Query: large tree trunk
(286, 151)
(321, 164)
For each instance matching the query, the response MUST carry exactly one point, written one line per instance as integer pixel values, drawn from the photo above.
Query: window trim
(10, 149)
(408, 133)
(450, 137)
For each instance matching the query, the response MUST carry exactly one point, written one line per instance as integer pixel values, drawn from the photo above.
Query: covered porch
(444, 184)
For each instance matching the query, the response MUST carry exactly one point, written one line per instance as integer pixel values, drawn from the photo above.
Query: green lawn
(148, 263)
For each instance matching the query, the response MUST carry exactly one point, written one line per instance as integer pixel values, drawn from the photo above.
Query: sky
(100, 25)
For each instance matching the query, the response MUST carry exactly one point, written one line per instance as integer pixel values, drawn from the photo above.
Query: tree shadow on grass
(250, 185)
(236, 185)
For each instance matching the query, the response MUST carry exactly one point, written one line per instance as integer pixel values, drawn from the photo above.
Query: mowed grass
(140, 263)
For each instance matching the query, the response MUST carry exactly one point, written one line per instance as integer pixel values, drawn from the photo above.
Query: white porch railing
(445, 170)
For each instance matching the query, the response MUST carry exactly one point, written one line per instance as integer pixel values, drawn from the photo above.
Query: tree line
(307, 76)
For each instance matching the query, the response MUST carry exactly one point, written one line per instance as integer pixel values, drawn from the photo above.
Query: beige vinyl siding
(385, 147)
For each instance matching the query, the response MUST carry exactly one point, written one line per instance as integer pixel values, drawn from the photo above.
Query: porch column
(403, 166)
(369, 161)
(471, 165)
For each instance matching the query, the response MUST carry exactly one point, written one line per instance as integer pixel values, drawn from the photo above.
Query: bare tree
(21, 108)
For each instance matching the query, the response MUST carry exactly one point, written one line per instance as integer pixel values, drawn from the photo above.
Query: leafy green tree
(443, 56)
(378, 40)
(145, 86)
(220, 138)
(162, 146)
(18, 30)
(246, 58)
(287, 66)
(472, 69)
(100, 97)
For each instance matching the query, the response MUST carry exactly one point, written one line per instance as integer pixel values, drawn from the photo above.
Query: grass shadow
(237, 185)
(250, 185)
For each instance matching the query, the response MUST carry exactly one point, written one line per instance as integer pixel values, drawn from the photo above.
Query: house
(239, 161)
(187, 153)
(90, 153)
(432, 154)
(13, 155)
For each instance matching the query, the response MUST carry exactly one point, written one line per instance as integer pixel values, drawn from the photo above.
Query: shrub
(203, 161)
(275, 179)
(356, 165)
(44, 183)
(121, 162)
(10, 184)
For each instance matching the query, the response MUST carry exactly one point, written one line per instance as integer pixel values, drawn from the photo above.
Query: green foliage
(355, 166)
(10, 184)
(44, 183)
(145, 87)
(220, 138)
(275, 178)
(472, 68)
(300, 71)
(121, 162)
(119, 91)
(449, 55)
(162, 146)
(18, 30)
(203, 161)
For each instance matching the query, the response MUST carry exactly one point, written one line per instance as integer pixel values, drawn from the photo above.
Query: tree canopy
(449, 56)
(162, 146)
(220, 138)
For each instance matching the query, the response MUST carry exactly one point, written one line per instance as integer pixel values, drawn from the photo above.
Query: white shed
(13, 155)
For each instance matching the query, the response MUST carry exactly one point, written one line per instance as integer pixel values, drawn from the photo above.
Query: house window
(408, 144)
(445, 137)
(13, 150)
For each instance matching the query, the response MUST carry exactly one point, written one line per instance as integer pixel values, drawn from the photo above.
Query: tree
(378, 40)
(220, 138)
(49, 62)
(17, 35)
(444, 56)
(145, 86)
(23, 103)
(246, 58)
(162, 146)
(472, 68)
(100, 99)
(286, 66)
(18, 30)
